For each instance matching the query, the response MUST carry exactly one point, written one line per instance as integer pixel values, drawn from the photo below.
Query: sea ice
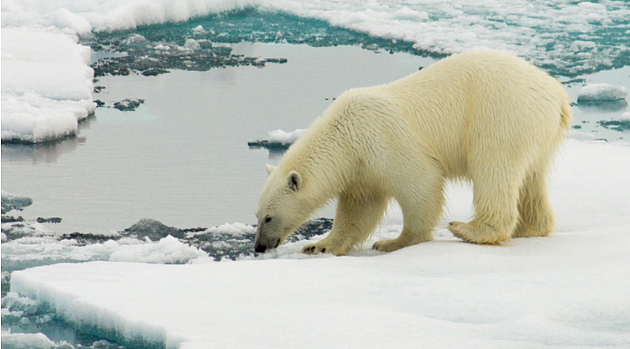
(278, 139)
(282, 137)
(47, 85)
(13, 202)
(567, 290)
(30, 341)
(43, 95)
(602, 92)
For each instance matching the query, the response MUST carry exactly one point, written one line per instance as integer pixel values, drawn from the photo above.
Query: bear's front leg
(354, 221)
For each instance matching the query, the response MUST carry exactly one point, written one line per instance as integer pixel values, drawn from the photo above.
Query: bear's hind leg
(536, 217)
(495, 197)
(355, 220)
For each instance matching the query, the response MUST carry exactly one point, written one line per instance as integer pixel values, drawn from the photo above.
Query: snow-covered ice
(46, 84)
(30, 341)
(568, 290)
(602, 92)
(42, 246)
(282, 137)
(278, 139)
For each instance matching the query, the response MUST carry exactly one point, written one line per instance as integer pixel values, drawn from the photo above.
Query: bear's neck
(322, 160)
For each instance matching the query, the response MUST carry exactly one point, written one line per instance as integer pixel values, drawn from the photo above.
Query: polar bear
(486, 117)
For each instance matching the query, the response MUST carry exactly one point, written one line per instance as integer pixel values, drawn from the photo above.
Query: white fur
(483, 116)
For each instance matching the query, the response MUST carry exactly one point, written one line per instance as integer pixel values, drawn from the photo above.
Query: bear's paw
(389, 245)
(486, 234)
(322, 247)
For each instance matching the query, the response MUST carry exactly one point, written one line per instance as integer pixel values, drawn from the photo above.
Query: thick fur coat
(483, 116)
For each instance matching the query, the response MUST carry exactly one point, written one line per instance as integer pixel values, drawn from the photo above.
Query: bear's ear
(294, 181)
(270, 168)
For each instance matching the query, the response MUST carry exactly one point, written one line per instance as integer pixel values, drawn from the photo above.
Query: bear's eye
(267, 219)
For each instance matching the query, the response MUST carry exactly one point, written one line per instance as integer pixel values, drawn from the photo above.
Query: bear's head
(281, 208)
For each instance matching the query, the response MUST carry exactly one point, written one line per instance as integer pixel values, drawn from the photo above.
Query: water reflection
(276, 151)
(41, 152)
(602, 106)
(47, 152)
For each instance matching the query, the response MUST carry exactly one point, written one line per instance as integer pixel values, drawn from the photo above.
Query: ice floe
(566, 290)
(46, 84)
(602, 92)
(277, 139)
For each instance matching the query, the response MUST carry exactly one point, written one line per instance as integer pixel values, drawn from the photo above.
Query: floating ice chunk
(625, 117)
(282, 137)
(278, 139)
(30, 341)
(199, 30)
(43, 95)
(134, 38)
(13, 202)
(192, 44)
(602, 92)
(162, 47)
(580, 45)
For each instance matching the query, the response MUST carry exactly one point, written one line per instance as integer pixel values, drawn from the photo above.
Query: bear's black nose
(260, 248)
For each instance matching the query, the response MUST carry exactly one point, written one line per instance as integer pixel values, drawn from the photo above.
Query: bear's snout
(258, 247)
(261, 246)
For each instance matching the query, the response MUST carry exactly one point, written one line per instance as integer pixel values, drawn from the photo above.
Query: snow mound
(282, 137)
(168, 250)
(602, 92)
(46, 84)
(233, 229)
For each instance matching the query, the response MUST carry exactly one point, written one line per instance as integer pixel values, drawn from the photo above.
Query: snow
(46, 84)
(568, 290)
(192, 44)
(42, 246)
(278, 138)
(282, 137)
(235, 229)
(30, 341)
(602, 92)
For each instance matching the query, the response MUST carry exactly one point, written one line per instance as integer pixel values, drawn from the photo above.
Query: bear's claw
(321, 248)
(313, 249)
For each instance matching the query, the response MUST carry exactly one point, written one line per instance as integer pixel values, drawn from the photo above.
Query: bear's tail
(565, 114)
